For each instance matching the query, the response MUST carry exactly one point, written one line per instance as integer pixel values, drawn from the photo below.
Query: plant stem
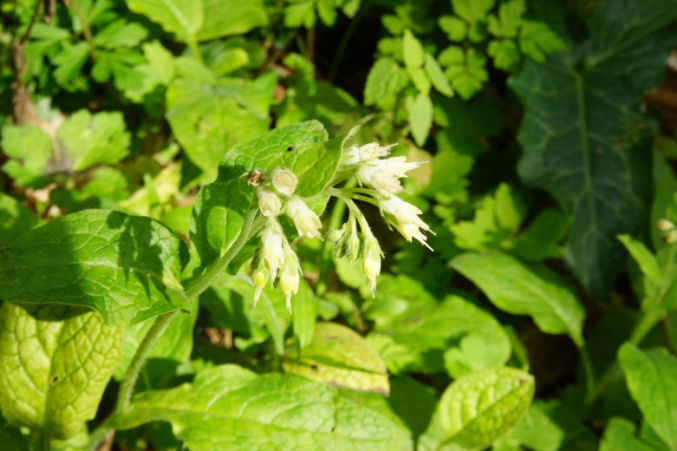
(587, 370)
(195, 50)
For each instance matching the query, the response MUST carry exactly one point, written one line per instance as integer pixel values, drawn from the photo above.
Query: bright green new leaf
(299, 13)
(620, 435)
(91, 139)
(420, 79)
(472, 10)
(454, 27)
(125, 267)
(340, 357)
(436, 75)
(650, 376)
(229, 407)
(593, 154)
(420, 117)
(55, 363)
(645, 259)
(537, 40)
(412, 50)
(465, 70)
(481, 406)
(504, 53)
(385, 80)
(509, 19)
(120, 34)
(29, 149)
(526, 289)
(176, 16)
(230, 17)
(69, 63)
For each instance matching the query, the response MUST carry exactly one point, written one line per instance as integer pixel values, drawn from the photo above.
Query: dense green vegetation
(337, 224)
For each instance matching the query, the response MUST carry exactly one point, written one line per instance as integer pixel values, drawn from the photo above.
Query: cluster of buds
(669, 230)
(379, 180)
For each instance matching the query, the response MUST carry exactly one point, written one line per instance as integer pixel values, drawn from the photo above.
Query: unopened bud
(670, 237)
(664, 225)
(353, 246)
(372, 262)
(269, 203)
(260, 278)
(284, 181)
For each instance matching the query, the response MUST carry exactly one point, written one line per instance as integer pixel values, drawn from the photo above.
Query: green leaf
(481, 406)
(420, 117)
(304, 305)
(620, 435)
(539, 240)
(314, 164)
(454, 27)
(465, 70)
(120, 34)
(645, 259)
(412, 50)
(650, 377)
(29, 149)
(179, 17)
(536, 430)
(299, 13)
(15, 219)
(69, 63)
(229, 407)
(414, 332)
(537, 40)
(218, 216)
(436, 75)
(509, 19)
(385, 80)
(472, 10)
(504, 53)
(597, 168)
(340, 357)
(91, 139)
(419, 78)
(125, 267)
(208, 119)
(526, 289)
(55, 363)
(229, 17)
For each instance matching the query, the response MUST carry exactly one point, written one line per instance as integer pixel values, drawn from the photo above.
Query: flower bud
(670, 237)
(366, 152)
(335, 235)
(260, 278)
(284, 181)
(664, 225)
(269, 203)
(371, 262)
(306, 221)
(353, 245)
(289, 280)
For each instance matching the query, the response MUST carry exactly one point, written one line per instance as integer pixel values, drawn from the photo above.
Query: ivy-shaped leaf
(55, 363)
(125, 267)
(385, 80)
(585, 139)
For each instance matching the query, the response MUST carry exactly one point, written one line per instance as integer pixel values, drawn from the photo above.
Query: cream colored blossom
(366, 152)
(289, 279)
(384, 175)
(371, 262)
(407, 221)
(272, 252)
(307, 223)
(284, 181)
(269, 204)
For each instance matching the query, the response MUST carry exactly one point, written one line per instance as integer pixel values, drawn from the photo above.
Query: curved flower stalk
(379, 177)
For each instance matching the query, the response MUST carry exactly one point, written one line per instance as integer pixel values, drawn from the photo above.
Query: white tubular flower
(284, 180)
(272, 251)
(384, 175)
(306, 221)
(289, 280)
(408, 222)
(367, 152)
(269, 204)
(371, 262)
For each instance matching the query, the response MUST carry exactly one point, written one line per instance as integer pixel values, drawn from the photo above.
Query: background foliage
(545, 318)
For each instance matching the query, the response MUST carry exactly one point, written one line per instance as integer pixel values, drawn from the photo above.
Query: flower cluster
(379, 180)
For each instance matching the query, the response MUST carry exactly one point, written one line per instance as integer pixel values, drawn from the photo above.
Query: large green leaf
(228, 407)
(126, 267)
(339, 356)
(15, 219)
(526, 289)
(228, 17)
(55, 362)
(650, 376)
(584, 136)
(176, 16)
(620, 435)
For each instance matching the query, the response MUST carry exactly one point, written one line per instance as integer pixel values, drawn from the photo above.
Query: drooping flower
(366, 152)
(269, 204)
(289, 279)
(407, 220)
(284, 181)
(384, 175)
(371, 261)
(272, 251)
(306, 221)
